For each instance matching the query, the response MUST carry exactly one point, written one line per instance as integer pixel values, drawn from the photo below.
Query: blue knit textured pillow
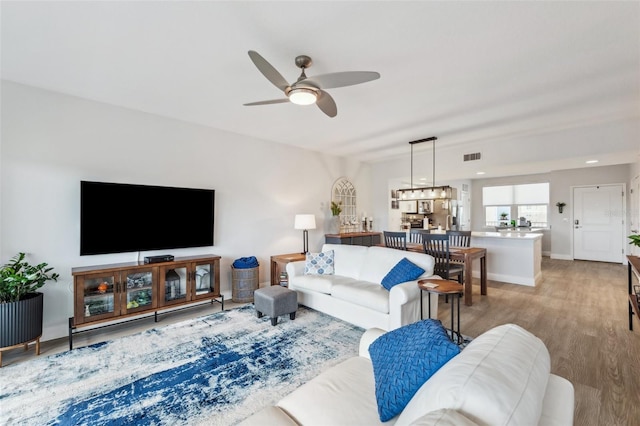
(404, 358)
(319, 263)
(404, 271)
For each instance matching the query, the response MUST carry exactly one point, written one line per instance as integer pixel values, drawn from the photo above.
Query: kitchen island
(512, 257)
(520, 229)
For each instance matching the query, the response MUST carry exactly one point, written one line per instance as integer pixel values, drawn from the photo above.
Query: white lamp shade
(305, 221)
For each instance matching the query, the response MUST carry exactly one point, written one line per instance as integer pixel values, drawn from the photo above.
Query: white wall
(51, 141)
(557, 242)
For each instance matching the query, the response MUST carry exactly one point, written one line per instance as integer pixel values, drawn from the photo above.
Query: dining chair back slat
(437, 246)
(396, 240)
(459, 238)
(415, 235)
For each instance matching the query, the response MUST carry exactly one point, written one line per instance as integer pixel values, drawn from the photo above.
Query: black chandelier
(442, 191)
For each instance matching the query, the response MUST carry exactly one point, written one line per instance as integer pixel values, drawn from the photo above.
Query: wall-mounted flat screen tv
(118, 218)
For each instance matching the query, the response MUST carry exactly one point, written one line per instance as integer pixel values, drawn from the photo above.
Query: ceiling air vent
(472, 157)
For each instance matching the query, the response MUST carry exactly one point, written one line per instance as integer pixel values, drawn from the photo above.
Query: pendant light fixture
(443, 194)
(434, 191)
(432, 138)
(413, 194)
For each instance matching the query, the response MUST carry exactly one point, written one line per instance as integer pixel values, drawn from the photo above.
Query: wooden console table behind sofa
(355, 238)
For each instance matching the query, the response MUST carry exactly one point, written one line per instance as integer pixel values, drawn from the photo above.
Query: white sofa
(354, 292)
(501, 378)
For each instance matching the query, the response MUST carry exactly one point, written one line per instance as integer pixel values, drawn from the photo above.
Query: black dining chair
(437, 246)
(396, 240)
(459, 238)
(415, 235)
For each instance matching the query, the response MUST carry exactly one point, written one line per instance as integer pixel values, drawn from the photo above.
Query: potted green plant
(336, 208)
(560, 206)
(20, 302)
(635, 240)
(503, 218)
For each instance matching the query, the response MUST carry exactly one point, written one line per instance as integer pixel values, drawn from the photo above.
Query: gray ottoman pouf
(274, 301)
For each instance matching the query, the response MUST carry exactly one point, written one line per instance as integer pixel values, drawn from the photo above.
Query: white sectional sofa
(354, 292)
(501, 378)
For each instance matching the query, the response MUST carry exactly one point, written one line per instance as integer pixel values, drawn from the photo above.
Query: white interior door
(598, 223)
(634, 213)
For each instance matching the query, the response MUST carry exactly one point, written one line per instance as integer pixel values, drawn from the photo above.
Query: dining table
(466, 255)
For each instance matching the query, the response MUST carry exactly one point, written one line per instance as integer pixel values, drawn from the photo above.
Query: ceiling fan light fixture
(303, 96)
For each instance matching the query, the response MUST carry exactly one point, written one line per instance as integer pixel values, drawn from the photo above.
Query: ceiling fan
(309, 90)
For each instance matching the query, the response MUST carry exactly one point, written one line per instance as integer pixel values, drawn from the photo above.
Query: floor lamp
(305, 222)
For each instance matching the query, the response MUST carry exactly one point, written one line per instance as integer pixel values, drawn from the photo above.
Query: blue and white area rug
(217, 369)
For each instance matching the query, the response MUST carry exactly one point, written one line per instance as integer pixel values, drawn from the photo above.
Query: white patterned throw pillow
(319, 263)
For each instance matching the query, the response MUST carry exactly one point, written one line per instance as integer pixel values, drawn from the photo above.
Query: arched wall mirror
(344, 194)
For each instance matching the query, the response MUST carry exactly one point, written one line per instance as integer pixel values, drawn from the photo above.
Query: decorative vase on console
(335, 225)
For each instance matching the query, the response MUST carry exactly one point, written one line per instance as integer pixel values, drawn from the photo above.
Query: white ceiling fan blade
(326, 104)
(341, 79)
(268, 71)
(269, 102)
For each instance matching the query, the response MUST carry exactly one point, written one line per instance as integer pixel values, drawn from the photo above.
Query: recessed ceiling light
(591, 161)
(479, 173)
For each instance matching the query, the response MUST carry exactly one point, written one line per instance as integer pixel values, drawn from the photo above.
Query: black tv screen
(118, 218)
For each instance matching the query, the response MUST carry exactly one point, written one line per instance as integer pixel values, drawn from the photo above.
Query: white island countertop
(507, 234)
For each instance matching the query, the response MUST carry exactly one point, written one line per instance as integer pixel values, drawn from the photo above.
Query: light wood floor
(579, 311)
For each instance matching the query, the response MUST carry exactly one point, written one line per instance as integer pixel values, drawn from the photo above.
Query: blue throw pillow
(404, 358)
(404, 271)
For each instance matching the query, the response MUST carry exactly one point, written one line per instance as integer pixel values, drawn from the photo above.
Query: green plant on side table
(635, 240)
(21, 303)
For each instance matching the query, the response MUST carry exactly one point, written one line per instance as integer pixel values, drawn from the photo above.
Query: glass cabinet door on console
(99, 297)
(174, 288)
(187, 281)
(203, 284)
(138, 290)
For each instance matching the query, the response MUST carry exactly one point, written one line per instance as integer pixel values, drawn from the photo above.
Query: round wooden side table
(438, 287)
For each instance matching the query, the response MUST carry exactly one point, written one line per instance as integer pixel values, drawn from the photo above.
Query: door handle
(576, 222)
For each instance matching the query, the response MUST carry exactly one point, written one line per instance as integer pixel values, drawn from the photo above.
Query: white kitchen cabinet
(409, 206)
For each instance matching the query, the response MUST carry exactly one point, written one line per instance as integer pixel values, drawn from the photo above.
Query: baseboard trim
(561, 256)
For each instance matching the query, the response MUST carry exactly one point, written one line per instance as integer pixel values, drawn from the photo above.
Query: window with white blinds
(505, 204)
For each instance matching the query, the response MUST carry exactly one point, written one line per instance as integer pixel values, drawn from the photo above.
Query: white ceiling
(471, 73)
